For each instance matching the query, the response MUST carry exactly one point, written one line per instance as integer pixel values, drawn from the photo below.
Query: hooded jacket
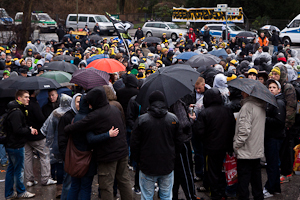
(17, 129)
(49, 107)
(248, 142)
(290, 96)
(100, 120)
(275, 118)
(130, 89)
(215, 124)
(154, 139)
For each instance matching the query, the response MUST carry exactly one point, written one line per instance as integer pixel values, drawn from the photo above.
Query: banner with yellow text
(204, 15)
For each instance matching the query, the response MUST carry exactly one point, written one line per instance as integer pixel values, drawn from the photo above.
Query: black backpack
(3, 126)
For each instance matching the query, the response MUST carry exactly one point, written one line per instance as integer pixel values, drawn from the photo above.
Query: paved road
(290, 191)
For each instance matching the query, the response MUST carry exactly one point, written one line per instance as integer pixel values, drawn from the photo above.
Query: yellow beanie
(276, 69)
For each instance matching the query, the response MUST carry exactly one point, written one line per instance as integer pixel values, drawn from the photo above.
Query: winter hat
(219, 68)
(276, 69)
(280, 55)
(273, 81)
(48, 57)
(156, 96)
(281, 59)
(6, 72)
(252, 70)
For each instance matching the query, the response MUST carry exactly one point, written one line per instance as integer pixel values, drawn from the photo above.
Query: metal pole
(77, 12)
(226, 26)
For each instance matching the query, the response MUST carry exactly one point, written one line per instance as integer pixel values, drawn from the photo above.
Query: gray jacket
(248, 141)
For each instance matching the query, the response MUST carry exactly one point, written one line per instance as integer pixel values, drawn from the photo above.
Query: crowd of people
(167, 147)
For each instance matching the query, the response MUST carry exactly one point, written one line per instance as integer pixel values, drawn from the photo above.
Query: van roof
(87, 14)
(297, 17)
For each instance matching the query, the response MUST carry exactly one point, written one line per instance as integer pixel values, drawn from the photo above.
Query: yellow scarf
(20, 103)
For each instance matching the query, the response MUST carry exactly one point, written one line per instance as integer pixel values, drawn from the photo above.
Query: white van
(106, 27)
(291, 33)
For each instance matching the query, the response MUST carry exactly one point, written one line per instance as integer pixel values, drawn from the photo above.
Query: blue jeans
(82, 185)
(66, 186)
(275, 49)
(3, 156)
(165, 184)
(15, 171)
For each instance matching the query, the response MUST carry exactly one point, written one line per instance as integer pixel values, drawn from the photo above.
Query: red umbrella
(108, 65)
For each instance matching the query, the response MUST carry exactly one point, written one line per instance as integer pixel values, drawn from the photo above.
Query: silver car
(156, 29)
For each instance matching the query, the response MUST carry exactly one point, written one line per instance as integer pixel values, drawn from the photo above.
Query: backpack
(3, 126)
(297, 88)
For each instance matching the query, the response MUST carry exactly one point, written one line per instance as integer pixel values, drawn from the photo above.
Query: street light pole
(77, 12)
(226, 27)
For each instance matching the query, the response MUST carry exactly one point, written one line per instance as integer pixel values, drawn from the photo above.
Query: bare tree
(26, 23)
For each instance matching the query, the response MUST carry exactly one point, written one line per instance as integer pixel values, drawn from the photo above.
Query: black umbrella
(95, 37)
(152, 40)
(245, 34)
(254, 88)
(203, 60)
(61, 66)
(63, 57)
(174, 81)
(35, 83)
(5, 90)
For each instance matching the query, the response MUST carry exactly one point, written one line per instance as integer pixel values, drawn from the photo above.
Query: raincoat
(50, 128)
(220, 82)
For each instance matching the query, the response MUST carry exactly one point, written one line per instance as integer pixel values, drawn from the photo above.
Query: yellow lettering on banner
(204, 15)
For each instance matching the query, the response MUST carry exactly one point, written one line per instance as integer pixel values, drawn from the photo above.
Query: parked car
(291, 33)
(5, 19)
(106, 27)
(216, 29)
(39, 20)
(157, 28)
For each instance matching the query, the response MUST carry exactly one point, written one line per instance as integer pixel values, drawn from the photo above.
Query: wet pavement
(290, 191)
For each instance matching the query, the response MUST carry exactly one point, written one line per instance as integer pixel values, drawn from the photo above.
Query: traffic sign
(233, 11)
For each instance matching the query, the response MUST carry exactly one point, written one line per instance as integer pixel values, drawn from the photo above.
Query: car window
(236, 28)
(149, 25)
(156, 25)
(173, 26)
(215, 28)
(101, 18)
(91, 19)
(3, 13)
(45, 17)
(82, 19)
(73, 18)
(33, 18)
(19, 17)
(295, 23)
(162, 26)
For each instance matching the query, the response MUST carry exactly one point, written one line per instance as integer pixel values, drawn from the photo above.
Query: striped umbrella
(90, 78)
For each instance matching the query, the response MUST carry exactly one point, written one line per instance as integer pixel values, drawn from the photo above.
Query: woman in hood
(50, 130)
(220, 82)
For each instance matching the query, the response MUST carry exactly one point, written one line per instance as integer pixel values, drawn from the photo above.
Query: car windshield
(173, 26)
(101, 19)
(44, 17)
(236, 28)
(3, 13)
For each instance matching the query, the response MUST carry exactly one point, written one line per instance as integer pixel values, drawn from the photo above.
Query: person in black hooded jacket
(114, 152)
(154, 143)
(52, 104)
(215, 127)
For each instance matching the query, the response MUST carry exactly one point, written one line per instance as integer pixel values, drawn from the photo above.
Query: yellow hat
(233, 62)
(58, 53)
(115, 41)
(141, 66)
(202, 45)
(130, 45)
(233, 76)
(28, 42)
(159, 61)
(164, 34)
(180, 33)
(7, 51)
(181, 40)
(111, 37)
(59, 50)
(105, 38)
(252, 70)
(2, 49)
(15, 59)
(277, 70)
(164, 50)
(113, 45)
(21, 60)
(29, 50)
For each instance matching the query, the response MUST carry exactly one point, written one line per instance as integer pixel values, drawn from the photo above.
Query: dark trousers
(249, 171)
(183, 173)
(216, 178)
(287, 153)
(57, 172)
(272, 147)
(198, 158)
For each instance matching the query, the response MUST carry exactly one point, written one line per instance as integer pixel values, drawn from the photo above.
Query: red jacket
(192, 36)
